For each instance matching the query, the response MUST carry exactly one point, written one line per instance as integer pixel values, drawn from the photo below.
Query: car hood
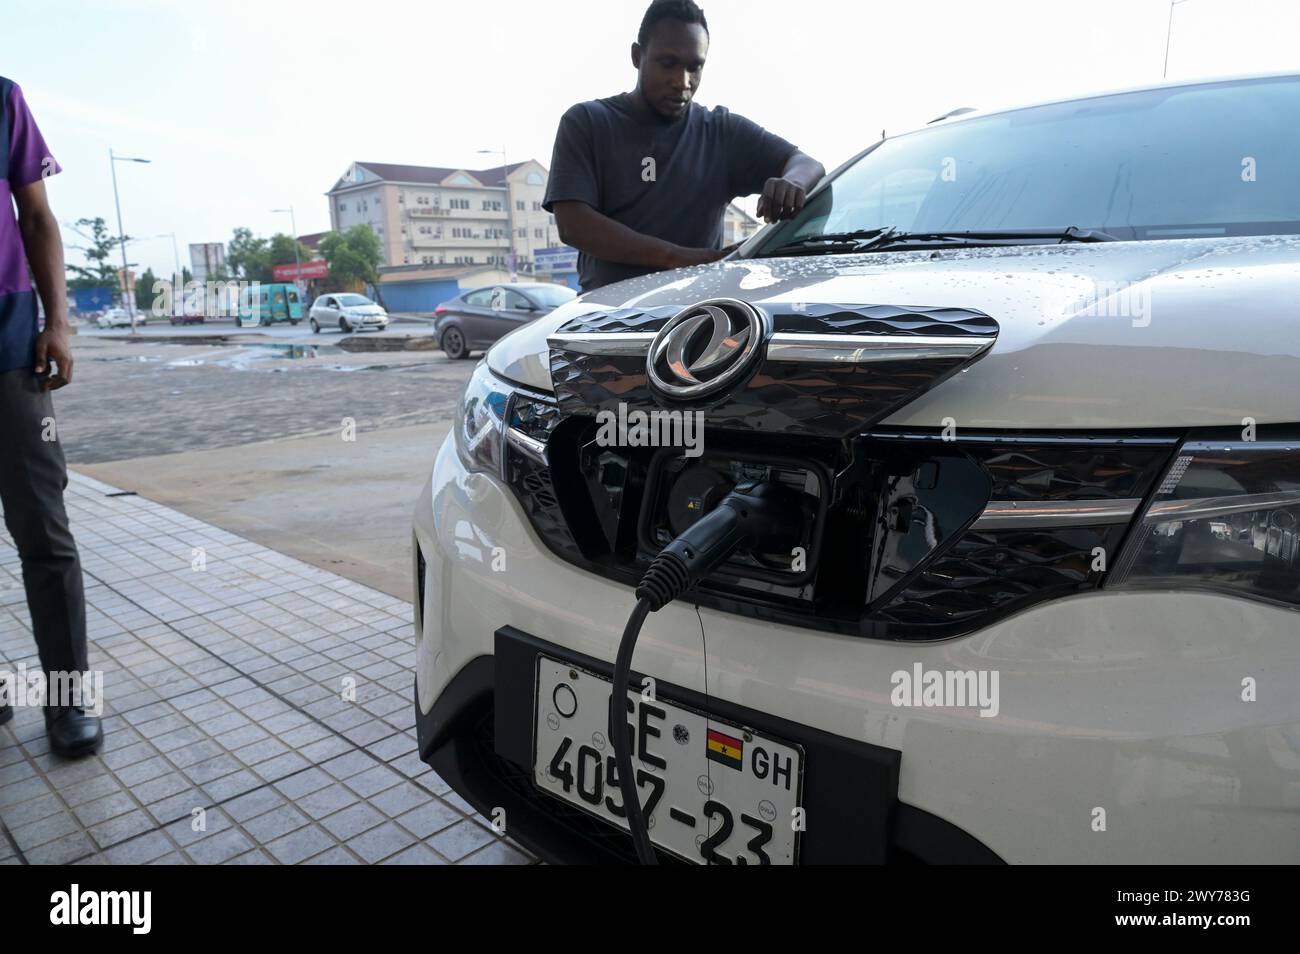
(1107, 335)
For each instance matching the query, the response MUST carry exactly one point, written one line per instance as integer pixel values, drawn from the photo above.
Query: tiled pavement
(224, 679)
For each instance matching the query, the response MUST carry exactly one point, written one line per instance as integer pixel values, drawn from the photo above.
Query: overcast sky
(248, 106)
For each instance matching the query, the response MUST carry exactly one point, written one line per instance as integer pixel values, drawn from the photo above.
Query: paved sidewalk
(224, 693)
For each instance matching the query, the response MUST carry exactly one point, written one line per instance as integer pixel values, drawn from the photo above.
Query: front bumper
(1121, 733)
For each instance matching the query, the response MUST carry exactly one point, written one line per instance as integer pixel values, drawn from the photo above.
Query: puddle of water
(247, 357)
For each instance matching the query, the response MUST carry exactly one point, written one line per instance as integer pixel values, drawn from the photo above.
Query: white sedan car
(348, 312)
(114, 318)
(958, 517)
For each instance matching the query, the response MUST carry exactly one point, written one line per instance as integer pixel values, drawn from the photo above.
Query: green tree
(144, 295)
(248, 258)
(100, 267)
(354, 258)
(282, 250)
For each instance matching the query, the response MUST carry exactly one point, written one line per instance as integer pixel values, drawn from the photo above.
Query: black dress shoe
(72, 732)
(6, 713)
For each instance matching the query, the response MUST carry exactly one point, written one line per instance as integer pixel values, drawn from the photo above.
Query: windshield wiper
(889, 238)
(892, 239)
(830, 242)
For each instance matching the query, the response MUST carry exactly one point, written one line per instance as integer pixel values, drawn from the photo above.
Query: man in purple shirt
(33, 362)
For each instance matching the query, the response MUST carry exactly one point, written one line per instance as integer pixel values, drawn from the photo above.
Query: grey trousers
(32, 478)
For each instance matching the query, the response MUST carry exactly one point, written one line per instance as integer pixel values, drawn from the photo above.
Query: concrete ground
(292, 442)
(342, 506)
(257, 710)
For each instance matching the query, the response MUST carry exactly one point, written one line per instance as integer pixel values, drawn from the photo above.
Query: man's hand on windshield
(781, 199)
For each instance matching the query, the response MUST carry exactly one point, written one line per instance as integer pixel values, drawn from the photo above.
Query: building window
(537, 206)
(537, 233)
(343, 206)
(519, 205)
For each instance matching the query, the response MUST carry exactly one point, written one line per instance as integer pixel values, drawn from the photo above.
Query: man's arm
(783, 196)
(44, 248)
(597, 234)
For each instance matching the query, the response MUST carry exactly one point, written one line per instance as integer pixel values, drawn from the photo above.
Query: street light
(297, 265)
(510, 214)
(121, 236)
(178, 276)
(176, 255)
(1169, 32)
(293, 224)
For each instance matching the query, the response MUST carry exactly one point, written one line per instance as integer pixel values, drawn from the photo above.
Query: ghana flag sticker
(725, 749)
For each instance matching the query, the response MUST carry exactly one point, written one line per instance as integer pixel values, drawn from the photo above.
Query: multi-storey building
(430, 215)
(433, 215)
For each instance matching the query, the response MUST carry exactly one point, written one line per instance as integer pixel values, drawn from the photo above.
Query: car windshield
(354, 301)
(1192, 161)
(551, 296)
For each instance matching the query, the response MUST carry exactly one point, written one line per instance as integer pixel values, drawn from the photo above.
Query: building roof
(312, 240)
(432, 175)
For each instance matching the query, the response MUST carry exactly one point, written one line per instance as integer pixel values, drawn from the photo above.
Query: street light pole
(297, 264)
(1169, 32)
(510, 211)
(121, 235)
(293, 224)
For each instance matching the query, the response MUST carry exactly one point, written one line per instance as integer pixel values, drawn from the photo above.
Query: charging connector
(764, 516)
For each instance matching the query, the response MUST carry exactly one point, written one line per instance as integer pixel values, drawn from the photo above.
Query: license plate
(711, 792)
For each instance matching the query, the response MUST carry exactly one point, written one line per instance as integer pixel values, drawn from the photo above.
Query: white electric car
(1027, 387)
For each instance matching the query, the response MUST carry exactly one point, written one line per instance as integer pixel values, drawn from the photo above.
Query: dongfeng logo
(705, 348)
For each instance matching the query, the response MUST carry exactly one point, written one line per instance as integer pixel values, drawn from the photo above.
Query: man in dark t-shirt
(640, 181)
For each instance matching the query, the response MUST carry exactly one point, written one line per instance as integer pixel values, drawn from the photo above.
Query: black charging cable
(762, 516)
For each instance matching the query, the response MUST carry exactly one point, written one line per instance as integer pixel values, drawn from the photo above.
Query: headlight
(480, 421)
(1227, 517)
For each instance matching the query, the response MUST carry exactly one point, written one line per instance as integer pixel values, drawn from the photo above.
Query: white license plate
(712, 793)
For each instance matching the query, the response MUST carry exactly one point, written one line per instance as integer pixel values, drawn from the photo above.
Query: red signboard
(288, 273)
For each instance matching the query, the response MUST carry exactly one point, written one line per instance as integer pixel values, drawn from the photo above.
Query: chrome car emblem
(705, 348)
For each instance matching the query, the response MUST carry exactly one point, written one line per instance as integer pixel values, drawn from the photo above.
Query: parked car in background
(476, 319)
(265, 303)
(114, 318)
(348, 312)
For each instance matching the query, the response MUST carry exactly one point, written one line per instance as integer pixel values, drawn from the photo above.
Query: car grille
(590, 506)
(918, 534)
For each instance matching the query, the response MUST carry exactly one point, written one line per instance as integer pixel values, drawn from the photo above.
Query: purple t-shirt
(24, 158)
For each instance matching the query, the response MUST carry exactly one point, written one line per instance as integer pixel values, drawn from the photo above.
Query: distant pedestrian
(33, 474)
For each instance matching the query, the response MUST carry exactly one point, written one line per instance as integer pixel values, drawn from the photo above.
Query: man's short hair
(687, 11)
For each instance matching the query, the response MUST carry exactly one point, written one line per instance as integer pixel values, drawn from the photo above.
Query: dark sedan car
(475, 319)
